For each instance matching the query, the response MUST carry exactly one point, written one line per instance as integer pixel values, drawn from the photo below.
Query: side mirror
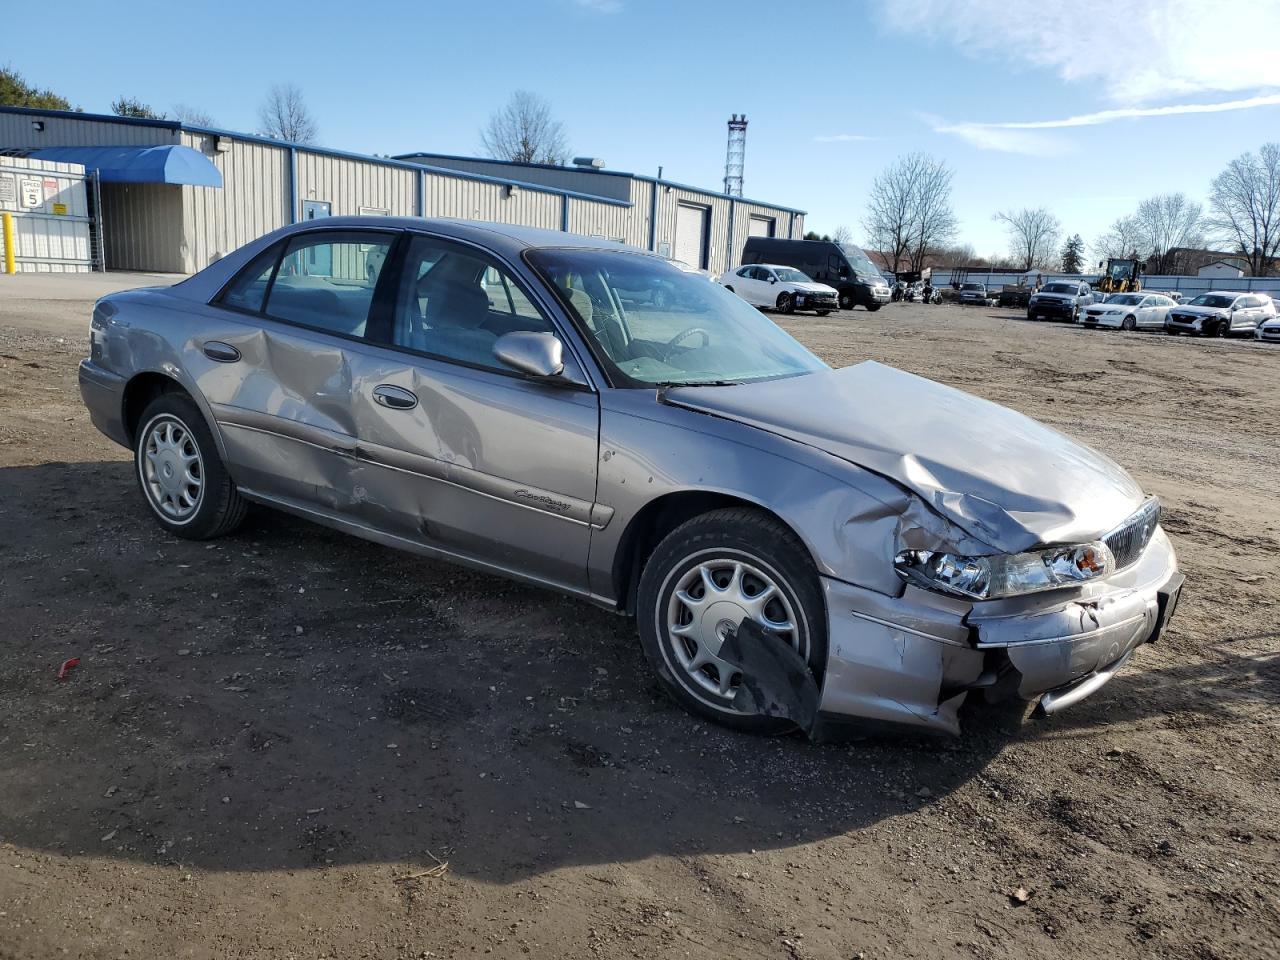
(533, 353)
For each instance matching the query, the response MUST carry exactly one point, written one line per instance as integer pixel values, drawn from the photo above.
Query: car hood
(1001, 477)
(1200, 311)
(811, 287)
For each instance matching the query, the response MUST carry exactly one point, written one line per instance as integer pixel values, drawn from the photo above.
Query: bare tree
(1122, 240)
(909, 210)
(192, 115)
(1165, 224)
(525, 132)
(284, 116)
(842, 234)
(1033, 235)
(1245, 205)
(935, 222)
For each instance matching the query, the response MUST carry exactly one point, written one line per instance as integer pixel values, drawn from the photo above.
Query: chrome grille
(1128, 540)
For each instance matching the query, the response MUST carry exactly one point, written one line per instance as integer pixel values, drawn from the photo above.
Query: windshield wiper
(698, 383)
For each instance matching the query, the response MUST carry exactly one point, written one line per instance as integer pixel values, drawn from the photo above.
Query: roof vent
(595, 163)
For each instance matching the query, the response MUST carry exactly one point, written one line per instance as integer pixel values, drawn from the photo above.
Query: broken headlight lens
(987, 578)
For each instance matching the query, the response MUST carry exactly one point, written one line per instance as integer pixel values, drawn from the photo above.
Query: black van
(839, 265)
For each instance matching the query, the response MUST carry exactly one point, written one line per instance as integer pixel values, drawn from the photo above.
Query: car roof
(504, 239)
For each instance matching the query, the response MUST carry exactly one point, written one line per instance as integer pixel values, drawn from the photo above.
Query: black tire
(1129, 323)
(219, 508)
(1075, 314)
(873, 307)
(786, 304)
(822, 313)
(733, 534)
(1220, 330)
(846, 301)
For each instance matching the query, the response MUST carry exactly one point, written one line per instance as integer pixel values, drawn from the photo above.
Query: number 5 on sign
(31, 193)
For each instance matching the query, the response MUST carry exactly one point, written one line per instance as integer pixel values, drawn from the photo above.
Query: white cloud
(842, 138)
(1017, 136)
(1139, 51)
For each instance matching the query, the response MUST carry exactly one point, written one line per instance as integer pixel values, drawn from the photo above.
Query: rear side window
(248, 291)
(326, 280)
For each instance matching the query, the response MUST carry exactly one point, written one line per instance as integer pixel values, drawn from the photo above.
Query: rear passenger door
(460, 453)
(273, 361)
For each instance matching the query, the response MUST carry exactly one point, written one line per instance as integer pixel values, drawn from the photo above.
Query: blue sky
(833, 91)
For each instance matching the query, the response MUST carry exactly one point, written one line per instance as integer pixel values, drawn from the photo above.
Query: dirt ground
(273, 742)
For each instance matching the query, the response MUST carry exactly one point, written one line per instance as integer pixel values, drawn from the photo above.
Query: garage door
(691, 234)
(760, 227)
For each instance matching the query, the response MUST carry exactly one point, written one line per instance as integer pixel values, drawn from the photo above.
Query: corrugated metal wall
(142, 227)
(54, 236)
(476, 200)
(351, 184)
(253, 199)
(628, 224)
(16, 130)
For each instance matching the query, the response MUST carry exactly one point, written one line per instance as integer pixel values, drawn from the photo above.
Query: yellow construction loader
(1119, 276)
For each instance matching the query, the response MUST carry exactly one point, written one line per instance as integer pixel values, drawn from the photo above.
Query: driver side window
(454, 304)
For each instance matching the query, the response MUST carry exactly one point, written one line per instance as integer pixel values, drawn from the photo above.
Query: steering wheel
(688, 332)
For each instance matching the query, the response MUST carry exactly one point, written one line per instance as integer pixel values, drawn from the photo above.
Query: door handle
(393, 397)
(221, 352)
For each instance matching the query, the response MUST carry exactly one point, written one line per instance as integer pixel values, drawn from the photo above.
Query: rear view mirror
(534, 353)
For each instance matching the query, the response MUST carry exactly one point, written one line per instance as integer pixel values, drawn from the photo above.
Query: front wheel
(181, 476)
(846, 301)
(823, 313)
(1129, 323)
(702, 581)
(785, 303)
(872, 307)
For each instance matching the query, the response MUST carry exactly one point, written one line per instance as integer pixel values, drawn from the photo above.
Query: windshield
(861, 263)
(1211, 300)
(973, 286)
(649, 323)
(1058, 288)
(791, 276)
(1125, 299)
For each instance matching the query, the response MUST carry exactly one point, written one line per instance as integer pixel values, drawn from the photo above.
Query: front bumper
(1051, 310)
(1174, 324)
(912, 659)
(815, 301)
(1113, 320)
(103, 394)
(1270, 334)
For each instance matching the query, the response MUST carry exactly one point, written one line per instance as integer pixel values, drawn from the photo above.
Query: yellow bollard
(9, 265)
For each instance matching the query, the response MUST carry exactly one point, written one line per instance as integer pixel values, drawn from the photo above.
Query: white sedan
(1129, 311)
(785, 289)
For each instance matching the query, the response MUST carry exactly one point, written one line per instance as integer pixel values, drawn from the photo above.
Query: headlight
(986, 578)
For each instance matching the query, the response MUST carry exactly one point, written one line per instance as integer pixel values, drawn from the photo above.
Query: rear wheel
(785, 303)
(702, 581)
(180, 474)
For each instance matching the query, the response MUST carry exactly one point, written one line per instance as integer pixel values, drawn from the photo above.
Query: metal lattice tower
(736, 155)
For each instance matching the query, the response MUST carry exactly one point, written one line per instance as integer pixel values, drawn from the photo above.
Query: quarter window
(248, 291)
(327, 280)
(454, 304)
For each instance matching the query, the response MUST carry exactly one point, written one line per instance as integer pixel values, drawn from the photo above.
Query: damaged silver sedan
(795, 542)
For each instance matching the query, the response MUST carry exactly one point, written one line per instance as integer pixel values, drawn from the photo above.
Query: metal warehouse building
(173, 197)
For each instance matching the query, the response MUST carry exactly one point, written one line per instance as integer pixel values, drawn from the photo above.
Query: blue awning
(164, 164)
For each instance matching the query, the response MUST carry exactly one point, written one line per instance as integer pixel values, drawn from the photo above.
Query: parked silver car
(1221, 314)
(888, 544)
